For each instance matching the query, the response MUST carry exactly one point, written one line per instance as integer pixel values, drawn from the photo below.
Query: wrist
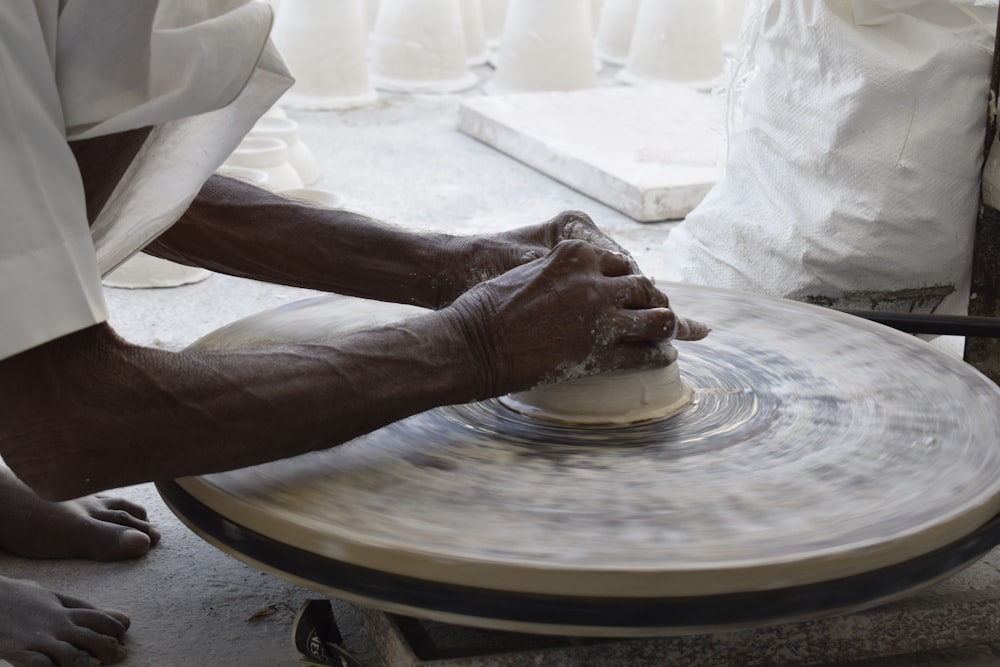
(454, 258)
(472, 353)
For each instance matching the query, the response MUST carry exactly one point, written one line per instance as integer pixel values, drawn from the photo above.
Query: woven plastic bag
(852, 177)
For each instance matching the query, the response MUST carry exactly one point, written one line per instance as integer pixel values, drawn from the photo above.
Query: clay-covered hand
(577, 311)
(490, 255)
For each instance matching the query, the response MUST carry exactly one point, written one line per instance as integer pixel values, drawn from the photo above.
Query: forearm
(88, 416)
(238, 229)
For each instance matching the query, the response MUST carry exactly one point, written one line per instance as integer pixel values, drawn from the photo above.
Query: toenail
(135, 538)
(121, 618)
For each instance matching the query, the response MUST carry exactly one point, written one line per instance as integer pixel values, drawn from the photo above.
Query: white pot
(269, 155)
(299, 155)
(418, 46)
(675, 40)
(494, 13)
(318, 196)
(249, 175)
(143, 271)
(323, 42)
(614, 30)
(546, 45)
(476, 50)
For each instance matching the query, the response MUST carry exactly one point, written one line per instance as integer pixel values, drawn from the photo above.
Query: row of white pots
(341, 51)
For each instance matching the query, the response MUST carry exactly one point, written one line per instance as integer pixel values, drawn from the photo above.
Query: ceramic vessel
(269, 155)
(276, 111)
(418, 46)
(299, 155)
(731, 22)
(546, 45)
(595, 13)
(249, 175)
(615, 26)
(675, 40)
(494, 13)
(619, 397)
(318, 196)
(371, 11)
(323, 42)
(476, 50)
(143, 271)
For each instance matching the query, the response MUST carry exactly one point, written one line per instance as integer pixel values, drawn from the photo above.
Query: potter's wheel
(826, 464)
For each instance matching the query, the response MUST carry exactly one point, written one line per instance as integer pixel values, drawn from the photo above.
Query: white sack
(853, 173)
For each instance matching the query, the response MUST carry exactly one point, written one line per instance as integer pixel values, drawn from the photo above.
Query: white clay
(611, 398)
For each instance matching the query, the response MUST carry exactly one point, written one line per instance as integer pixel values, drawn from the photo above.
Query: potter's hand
(490, 255)
(577, 311)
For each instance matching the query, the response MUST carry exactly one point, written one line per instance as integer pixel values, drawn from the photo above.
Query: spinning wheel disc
(818, 448)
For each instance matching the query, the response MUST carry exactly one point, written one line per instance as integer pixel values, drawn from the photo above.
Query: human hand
(577, 311)
(487, 256)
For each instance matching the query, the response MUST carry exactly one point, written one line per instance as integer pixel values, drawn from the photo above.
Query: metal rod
(942, 325)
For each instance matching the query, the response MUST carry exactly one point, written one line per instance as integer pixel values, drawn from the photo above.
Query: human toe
(79, 605)
(112, 542)
(95, 646)
(104, 623)
(25, 659)
(64, 654)
(128, 518)
(116, 503)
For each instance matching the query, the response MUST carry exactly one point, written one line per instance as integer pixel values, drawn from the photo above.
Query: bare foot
(39, 628)
(95, 527)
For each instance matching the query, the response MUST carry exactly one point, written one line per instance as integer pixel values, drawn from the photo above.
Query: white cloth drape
(200, 71)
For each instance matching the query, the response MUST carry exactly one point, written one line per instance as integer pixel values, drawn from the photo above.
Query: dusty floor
(401, 161)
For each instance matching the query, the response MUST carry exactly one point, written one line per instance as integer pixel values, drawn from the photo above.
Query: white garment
(200, 71)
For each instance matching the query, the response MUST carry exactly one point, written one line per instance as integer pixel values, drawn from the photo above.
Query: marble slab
(651, 152)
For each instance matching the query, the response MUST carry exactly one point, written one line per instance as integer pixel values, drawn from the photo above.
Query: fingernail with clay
(688, 329)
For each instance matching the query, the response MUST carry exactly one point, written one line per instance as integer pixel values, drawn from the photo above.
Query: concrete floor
(402, 161)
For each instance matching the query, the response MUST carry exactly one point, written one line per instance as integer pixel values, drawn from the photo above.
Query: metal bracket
(317, 637)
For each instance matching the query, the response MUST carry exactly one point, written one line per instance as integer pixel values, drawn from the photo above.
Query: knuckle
(575, 216)
(571, 247)
(646, 285)
(670, 326)
(575, 224)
